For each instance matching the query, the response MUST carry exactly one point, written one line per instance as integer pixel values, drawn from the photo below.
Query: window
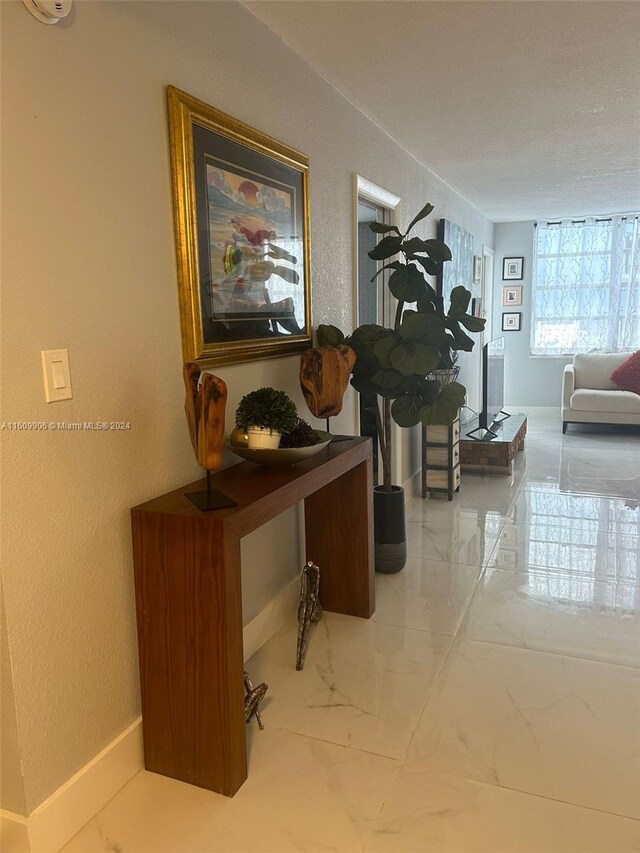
(586, 286)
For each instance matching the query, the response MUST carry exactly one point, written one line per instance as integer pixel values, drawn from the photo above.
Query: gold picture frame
(241, 214)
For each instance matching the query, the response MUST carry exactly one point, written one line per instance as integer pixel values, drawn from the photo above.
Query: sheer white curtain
(586, 286)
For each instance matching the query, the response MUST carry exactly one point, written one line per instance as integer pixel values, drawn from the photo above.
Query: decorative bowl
(280, 457)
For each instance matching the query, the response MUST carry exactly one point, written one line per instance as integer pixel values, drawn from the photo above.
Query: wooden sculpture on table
(205, 402)
(324, 376)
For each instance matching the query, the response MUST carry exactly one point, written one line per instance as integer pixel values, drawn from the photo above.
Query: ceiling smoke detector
(48, 11)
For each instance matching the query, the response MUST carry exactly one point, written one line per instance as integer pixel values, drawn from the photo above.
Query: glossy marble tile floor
(492, 703)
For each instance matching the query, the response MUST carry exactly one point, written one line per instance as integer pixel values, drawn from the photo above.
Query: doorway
(487, 292)
(487, 312)
(371, 306)
(372, 301)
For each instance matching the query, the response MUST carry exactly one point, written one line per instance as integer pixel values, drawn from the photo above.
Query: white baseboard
(74, 804)
(14, 834)
(68, 809)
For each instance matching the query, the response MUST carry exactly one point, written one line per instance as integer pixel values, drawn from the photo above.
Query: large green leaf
(387, 247)
(407, 283)
(413, 245)
(392, 266)
(445, 407)
(383, 347)
(429, 390)
(436, 331)
(381, 228)
(366, 363)
(414, 326)
(474, 324)
(429, 329)
(413, 358)
(445, 360)
(430, 266)
(436, 249)
(462, 340)
(386, 380)
(426, 210)
(405, 410)
(329, 336)
(363, 384)
(411, 384)
(367, 334)
(460, 298)
(426, 305)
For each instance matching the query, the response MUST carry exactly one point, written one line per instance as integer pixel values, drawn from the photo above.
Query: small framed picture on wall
(511, 321)
(512, 269)
(477, 268)
(512, 295)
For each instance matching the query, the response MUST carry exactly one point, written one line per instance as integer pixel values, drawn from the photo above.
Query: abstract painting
(241, 214)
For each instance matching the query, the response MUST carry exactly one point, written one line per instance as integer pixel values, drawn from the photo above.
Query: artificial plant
(267, 408)
(394, 364)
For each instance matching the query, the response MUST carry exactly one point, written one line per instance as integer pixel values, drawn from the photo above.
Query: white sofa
(589, 396)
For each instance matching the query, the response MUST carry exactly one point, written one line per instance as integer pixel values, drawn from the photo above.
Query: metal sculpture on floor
(252, 698)
(309, 609)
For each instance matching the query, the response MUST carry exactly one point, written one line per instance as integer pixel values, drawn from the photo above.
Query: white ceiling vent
(48, 11)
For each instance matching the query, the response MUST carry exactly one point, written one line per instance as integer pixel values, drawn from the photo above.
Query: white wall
(88, 263)
(529, 380)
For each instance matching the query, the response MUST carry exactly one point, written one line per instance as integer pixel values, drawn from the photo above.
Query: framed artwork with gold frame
(241, 212)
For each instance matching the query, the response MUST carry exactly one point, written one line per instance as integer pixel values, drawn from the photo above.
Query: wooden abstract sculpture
(205, 402)
(204, 407)
(324, 376)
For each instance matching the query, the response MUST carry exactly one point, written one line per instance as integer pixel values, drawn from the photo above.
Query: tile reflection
(577, 588)
(601, 474)
(565, 614)
(546, 503)
(599, 554)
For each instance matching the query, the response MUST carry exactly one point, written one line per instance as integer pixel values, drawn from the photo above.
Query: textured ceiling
(527, 109)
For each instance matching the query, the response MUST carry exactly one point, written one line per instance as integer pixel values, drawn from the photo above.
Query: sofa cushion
(594, 369)
(627, 376)
(587, 400)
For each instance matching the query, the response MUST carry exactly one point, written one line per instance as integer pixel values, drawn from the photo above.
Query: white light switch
(57, 379)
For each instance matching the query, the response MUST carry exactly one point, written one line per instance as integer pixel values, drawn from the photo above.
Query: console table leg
(338, 525)
(189, 610)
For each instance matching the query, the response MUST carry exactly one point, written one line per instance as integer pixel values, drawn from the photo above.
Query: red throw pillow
(627, 376)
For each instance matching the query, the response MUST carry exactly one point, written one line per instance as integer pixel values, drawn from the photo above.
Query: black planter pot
(389, 531)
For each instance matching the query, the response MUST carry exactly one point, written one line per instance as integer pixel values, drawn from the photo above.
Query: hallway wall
(529, 380)
(88, 263)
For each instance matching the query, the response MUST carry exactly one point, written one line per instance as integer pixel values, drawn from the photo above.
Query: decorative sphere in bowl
(239, 438)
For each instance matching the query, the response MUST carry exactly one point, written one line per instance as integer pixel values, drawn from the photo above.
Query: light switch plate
(57, 379)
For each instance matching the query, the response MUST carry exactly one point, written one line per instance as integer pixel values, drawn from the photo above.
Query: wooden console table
(189, 599)
(497, 455)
